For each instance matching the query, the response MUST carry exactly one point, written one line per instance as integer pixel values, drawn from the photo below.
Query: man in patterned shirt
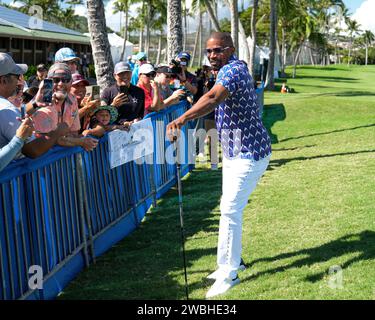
(246, 148)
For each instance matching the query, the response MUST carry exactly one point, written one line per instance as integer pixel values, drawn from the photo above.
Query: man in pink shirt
(64, 108)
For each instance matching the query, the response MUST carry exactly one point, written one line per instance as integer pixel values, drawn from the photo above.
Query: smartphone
(94, 91)
(124, 89)
(47, 90)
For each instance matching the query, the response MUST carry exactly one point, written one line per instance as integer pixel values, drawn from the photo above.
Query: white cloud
(364, 15)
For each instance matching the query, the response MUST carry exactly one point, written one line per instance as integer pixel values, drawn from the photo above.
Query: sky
(362, 11)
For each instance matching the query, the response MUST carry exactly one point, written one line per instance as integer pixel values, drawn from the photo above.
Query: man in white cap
(127, 98)
(9, 114)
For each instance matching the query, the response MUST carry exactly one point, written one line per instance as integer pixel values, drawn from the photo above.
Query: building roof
(19, 25)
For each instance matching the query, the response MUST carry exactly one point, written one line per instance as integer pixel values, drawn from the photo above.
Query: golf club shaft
(179, 187)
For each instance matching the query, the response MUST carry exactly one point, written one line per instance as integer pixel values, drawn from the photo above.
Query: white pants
(240, 177)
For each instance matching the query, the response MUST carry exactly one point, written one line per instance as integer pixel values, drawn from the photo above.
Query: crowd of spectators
(54, 107)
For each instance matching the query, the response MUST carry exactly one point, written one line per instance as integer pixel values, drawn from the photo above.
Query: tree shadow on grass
(272, 114)
(146, 264)
(362, 243)
(280, 162)
(328, 132)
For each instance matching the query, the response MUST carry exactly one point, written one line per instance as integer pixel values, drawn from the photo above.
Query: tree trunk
(159, 49)
(140, 40)
(195, 43)
(311, 57)
(148, 21)
(253, 37)
(125, 35)
(212, 15)
(174, 28)
(366, 53)
(283, 51)
(233, 6)
(185, 27)
(295, 62)
(270, 82)
(244, 40)
(200, 39)
(99, 42)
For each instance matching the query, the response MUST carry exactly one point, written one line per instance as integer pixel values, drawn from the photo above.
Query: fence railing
(60, 211)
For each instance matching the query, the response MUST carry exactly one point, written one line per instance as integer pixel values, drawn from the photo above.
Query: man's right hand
(119, 100)
(174, 129)
(26, 129)
(89, 143)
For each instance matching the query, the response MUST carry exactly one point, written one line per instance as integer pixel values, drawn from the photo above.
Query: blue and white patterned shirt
(240, 128)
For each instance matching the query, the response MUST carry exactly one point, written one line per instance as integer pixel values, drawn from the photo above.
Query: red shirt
(149, 95)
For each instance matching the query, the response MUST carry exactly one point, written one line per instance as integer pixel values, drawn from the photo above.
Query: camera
(176, 68)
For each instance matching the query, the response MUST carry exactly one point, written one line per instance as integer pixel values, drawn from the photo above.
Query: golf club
(179, 187)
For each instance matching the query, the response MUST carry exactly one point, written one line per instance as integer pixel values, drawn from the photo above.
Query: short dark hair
(224, 37)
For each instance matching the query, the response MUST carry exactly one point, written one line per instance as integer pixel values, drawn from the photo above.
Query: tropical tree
(123, 6)
(353, 28)
(99, 42)
(253, 37)
(174, 28)
(368, 38)
(233, 7)
(270, 81)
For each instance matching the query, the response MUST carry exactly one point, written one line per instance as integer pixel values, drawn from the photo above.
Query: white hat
(146, 68)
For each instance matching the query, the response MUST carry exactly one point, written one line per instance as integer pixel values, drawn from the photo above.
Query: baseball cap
(41, 67)
(122, 67)
(141, 56)
(77, 78)
(146, 68)
(65, 55)
(59, 66)
(164, 69)
(183, 55)
(7, 65)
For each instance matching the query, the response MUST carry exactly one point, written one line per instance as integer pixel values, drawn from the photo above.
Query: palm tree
(270, 81)
(253, 37)
(233, 7)
(99, 42)
(123, 6)
(368, 38)
(353, 28)
(174, 28)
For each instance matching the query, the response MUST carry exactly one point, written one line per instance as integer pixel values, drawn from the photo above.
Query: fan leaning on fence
(15, 139)
(246, 149)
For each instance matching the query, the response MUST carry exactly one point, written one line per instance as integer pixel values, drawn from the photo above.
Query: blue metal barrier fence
(62, 210)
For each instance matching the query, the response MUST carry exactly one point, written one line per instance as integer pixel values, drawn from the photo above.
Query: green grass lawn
(313, 209)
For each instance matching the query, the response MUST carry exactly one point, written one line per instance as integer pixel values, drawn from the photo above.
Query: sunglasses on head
(216, 50)
(63, 80)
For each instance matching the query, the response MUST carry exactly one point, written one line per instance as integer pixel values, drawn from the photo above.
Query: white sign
(126, 146)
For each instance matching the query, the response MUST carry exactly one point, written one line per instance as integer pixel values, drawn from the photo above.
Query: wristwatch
(35, 106)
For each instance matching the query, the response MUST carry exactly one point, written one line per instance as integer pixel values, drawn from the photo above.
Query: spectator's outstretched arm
(8, 152)
(41, 145)
(86, 143)
(174, 98)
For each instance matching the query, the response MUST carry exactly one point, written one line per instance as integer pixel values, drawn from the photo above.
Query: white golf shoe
(216, 274)
(221, 286)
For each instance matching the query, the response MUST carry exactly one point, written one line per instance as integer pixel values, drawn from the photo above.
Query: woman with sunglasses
(153, 99)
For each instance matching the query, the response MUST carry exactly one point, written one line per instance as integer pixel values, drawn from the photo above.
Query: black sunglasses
(63, 80)
(150, 74)
(216, 50)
